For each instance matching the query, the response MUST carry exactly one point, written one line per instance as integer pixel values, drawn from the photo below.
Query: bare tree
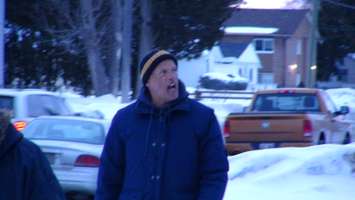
(146, 34)
(91, 38)
(117, 54)
(126, 58)
(84, 26)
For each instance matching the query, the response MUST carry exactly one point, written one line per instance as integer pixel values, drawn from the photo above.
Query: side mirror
(344, 110)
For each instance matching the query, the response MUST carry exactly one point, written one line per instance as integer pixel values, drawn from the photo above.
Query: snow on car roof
(22, 92)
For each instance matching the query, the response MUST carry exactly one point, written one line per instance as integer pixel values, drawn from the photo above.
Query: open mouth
(171, 86)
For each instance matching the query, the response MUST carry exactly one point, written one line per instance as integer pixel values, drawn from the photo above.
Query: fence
(221, 94)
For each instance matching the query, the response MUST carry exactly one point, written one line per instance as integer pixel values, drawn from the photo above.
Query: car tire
(347, 139)
(321, 139)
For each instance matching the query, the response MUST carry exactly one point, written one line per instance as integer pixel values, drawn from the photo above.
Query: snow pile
(343, 96)
(224, 107)
(319, 172)
(107, 105)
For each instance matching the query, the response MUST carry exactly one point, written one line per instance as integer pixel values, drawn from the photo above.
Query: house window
(264, 45)
(251, 75)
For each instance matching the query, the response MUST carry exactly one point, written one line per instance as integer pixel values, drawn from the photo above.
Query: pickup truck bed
(266, 130)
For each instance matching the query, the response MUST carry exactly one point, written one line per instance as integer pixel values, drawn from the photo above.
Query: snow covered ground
(325, 172)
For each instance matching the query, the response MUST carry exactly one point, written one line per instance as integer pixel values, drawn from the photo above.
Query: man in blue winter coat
(25, 174)
(164, 146)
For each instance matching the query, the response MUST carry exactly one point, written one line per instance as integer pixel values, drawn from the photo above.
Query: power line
(340, 4)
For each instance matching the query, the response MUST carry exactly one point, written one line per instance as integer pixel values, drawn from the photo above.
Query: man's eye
(163, 72)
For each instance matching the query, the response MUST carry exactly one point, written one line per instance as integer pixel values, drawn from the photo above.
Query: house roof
(285, 20)
(232, 49)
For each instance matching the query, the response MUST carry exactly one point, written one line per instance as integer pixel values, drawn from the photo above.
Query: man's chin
(172, 97)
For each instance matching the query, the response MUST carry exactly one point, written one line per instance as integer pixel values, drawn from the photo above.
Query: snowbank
(310, 173)
(343, 96)
(107, 105)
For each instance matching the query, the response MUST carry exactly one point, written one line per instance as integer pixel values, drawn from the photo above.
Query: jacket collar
(144, 103)
(11, 139)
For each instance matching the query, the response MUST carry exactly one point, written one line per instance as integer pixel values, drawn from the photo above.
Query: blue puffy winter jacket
(175, 153)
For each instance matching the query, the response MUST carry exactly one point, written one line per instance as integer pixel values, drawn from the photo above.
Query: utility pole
(2, 42)
(311, 68)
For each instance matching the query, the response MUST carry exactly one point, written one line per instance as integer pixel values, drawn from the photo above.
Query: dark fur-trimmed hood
(4, 123)
(9, 137)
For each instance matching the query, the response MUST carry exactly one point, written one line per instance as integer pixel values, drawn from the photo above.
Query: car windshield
(298, 102)
(46, 105)
(66, 130)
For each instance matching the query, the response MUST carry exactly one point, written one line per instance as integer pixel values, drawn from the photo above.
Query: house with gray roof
(280, 38)
(238, 59)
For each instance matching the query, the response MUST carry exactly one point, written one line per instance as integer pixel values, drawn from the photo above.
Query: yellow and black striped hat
(151, 61)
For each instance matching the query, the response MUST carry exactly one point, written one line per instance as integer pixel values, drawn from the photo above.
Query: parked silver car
(73, 146)
(27, 104)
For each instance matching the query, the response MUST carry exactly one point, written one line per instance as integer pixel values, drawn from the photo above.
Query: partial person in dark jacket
(25, 173)
(164, 146)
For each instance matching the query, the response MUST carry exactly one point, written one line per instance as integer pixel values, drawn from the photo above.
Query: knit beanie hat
(152, 60)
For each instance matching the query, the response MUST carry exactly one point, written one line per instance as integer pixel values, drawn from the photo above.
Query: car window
(66, 130)
(7, 102)
(287, 102)
(39, 105)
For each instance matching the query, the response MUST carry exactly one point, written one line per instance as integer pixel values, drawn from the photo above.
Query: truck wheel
(347, 139)
(321, 139)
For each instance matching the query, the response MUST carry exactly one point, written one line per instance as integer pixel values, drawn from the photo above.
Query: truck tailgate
(270, 128)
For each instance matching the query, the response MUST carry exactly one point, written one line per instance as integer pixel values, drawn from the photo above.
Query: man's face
(163, 83)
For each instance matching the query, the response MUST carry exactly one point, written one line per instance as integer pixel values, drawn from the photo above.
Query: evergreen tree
(187, 27)
(35, 58)
(337, 30)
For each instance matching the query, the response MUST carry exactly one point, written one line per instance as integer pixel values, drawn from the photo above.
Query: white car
(73, 146)
(26, 104)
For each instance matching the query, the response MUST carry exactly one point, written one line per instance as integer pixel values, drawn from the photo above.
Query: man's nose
(172, 75)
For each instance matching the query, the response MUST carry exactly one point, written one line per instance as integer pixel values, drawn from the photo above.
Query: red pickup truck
(286, 117)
